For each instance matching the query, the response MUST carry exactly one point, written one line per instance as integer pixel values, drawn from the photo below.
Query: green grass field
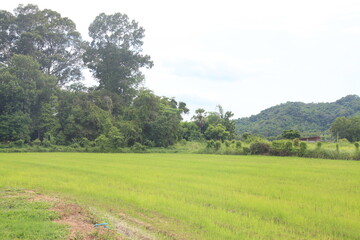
(188, 196)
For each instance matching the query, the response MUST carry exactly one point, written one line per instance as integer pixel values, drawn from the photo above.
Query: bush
(356, 146)
(259, 148)
(217, 145)
(36, 142)
(102, 142)
(303, 147)
(281, 148)
(296, 142)
(246, 151)
(19, 143)
(227, 143)
(46, 142)
(138, 147)
(238, 144)
(210, 144)
(182, 142)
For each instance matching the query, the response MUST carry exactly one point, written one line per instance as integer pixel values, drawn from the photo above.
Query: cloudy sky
(244, 55)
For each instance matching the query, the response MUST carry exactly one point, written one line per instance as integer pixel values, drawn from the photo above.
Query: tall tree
(115, 53)
(45, 35)
(24, 91)
(348, 128)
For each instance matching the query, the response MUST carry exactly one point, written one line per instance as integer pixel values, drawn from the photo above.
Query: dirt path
(82, 221)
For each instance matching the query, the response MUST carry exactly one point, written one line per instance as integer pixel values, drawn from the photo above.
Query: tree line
(43, 100)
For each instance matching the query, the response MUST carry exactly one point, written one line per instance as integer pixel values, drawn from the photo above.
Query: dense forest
(43, 101)
(309, 119)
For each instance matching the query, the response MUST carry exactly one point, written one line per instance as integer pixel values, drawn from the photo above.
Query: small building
(311, 139)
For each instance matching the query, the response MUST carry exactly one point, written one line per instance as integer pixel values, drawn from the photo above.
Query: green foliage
(19, 143)
(115, 138)
(45, 36)
(310, 119)
(348, 128)
(102, 142)
(303, 147)
(238, 144)
(114, 54)
(318, 145)
(210, 143)
(246, 151)
(15, 126)
(138, 147)
(356, 146)
(281, 148)
(217, 132)
(36, 142)
(259, 147)
(190, 131)
(290, 134)
(217, 145)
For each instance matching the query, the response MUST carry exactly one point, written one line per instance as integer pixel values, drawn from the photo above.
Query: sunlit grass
(204, 196)
(21, 218)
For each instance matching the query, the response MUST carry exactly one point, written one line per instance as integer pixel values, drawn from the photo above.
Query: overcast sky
(244, 55)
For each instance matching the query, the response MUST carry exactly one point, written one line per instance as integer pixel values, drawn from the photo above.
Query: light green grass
(203, 196)
(21, 218)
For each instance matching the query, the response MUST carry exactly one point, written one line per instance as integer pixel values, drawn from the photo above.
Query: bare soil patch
(81, 221)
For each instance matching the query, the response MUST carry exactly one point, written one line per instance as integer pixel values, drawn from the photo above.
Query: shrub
(246, 151)
(259, 147)
(281, 148)
(217, 145)
(102, 142)
(238, 145)
(356, 146)
(318, 145)
(210, 144)
(84, 142)
(19, 143)
(182, 142)
(296, 142)
(227, 143)
(138, 147)
(46, 142)
(303, 146)
(36, 142)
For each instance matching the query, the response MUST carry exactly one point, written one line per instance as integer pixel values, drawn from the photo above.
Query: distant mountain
(308, 118)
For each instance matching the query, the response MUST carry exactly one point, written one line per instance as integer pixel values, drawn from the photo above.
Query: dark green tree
(290, 134)
(47, 37)
(348, 128)
(115, 53)
(24, 92)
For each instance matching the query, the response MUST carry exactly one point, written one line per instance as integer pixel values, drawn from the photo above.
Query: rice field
(193, 196)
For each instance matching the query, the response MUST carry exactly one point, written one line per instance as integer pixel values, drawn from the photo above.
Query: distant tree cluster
(209, 126)
(348, 128)
(41, 99)
(43, 102)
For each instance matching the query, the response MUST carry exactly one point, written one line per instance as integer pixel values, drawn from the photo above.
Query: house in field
(311, 139)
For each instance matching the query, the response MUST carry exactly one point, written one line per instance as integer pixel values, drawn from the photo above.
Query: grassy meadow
(188, 196)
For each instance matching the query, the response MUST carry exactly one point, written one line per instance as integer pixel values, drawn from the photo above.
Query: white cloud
(244, 55)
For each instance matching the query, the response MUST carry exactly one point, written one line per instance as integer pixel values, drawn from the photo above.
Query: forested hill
(310, 118)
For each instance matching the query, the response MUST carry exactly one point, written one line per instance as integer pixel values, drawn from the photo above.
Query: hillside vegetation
(308, 118)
